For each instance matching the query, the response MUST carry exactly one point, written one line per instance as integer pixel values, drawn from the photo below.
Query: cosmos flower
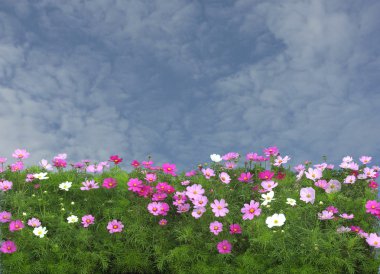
(245, 177)
(115, 159)
(34, 222)
(87, 220)
(115, 226)
(198, 212)
(275, 220)
(16, 225)
(89, 184)
(8, 247)
(20, 154)
(216, 158)
(251, 210)
(307, 195)
(194, 191)
(216, 227)
(5, 217)
(267, 198)
(230, 156)
(333, 186)
(291, 201)
(281, 160)
(271, 151)
(135, 185)
(219, 208)
(208, 173)
(40, 231)
(45, 164)
(65, 186)
(266, 175)
(225, 178)
(325, 215)
(235, 229)
(268, 185)
(169, 168)
(373, 240)
(224, 247)
(313, 174)
(150, 177)
(5, 185)
(72, 219)
(41, 176)
(109, 183)
(365, 159)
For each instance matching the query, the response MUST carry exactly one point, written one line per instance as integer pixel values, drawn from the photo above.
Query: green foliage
(185, 245)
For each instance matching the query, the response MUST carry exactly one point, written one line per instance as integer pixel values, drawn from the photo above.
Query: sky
(180, 80)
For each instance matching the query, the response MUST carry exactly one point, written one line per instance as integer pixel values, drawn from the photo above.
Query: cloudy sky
(180, 80)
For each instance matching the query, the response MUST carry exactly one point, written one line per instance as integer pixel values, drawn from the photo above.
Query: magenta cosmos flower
(116, 159)
(208, 173)
(373, 207)
(34, 222)
(134, 184)
(266, 175)
(373, 185)
(135, 164)
(245, 177)
(115, 226)
(225, 178)
(8, 247)
(271, 151)
(251, 210)
(219, 208)
(109, 183)
(224, 247)
(251, 156)
(17, 166)
(307, 195)
(163, 222)
(20, 154)
(87, 220)
(169, 168)
(5, 217)
(87, 185)
(16, 225)
(235, 229)
(230, 156)
(5, 185)
(216, 227)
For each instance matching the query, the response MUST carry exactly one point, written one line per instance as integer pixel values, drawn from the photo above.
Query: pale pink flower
(230, 165)
(299, 168)
(5, 217)
(333, 186)
(271, 151)
(216, 227)
(87, 220)
(230, 156)
(219, 208)
(200, 201)
(307, 195)
(115, 226)
(194, 191)
(313, 174)
(150, 177)
(347, 159)
(365, 159)
(34, 222)
(45, 164)
(349, 179)
(268, 185)
(325, 215)
(5, 185)
(208, 173)
(281, 160)
(346, 216)
(251, 210)
(20, 154)
(89, 184)
(373, 240)
(225, 178)
(198, 212)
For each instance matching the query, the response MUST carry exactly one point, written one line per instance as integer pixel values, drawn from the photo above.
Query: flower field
(236, 214)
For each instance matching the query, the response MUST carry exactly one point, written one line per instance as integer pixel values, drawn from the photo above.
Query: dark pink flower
(8, 247)
(245, 177)
(16, 225)
(224, 247)
(5, 217)
(235, 229)
(373, 207)
(169, 168)
(135, 185)
(271, 151)
(109, 183)
(116, 159)
(135, 163)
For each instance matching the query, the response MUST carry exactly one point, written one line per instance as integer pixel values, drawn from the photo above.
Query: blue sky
(180, 80)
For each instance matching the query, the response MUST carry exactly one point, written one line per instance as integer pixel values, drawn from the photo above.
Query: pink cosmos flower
(135, 164)
(159, 196)
(116, 159)
(5, 217)
(16, 225)
(5, 185)
(145, 191)
(17, 166)
(161, 187)
(169, 169)
(182, 208)
(356, 229)
(251, 156)
(191, 173)
(346, 216)
(373, 207)
(34, 222)
(200, 201)
(333, 186)
(89, 184)
(185, 183)
(216, 227)
(150, 177)
(208, 173)
(271, 151)
(230, 165)
(3, 160)
(349, 179)
(225, 178)
(373, 240)
(95, 168)
(147, 164)
(365, 159)
(29, 178)
(164, 208)
(343, 229)
(332, 209)
(235, 229)
(373, 185)
(321, 184)
(179, 198)
(325, 215)
(245, 177)
(307, 195)
(266, 175)
(251, 210)
(135, 185)
(88, 220)
(313, 174)
(194, 191)
(8, 247)
(280, 160)
(230, 156)
(299, 168)
(109, 183)
(58, 162)
(20, 154)
(224, 247)
(369, 172)
(268, 185)
(155, 208)
(321, 167)
(170, 189)
(162, 222)
(45, 164)
(198, 212)
(115, 226)
(219, 208)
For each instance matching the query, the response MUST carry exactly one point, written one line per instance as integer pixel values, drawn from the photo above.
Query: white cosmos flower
(41, 176)
(65, 186)
(267, 198)
(275, 220)
(40, 231)
(291, 201)
(72, 219)
(216, 158)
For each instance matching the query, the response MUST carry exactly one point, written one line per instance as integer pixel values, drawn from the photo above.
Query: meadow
(247, 213)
